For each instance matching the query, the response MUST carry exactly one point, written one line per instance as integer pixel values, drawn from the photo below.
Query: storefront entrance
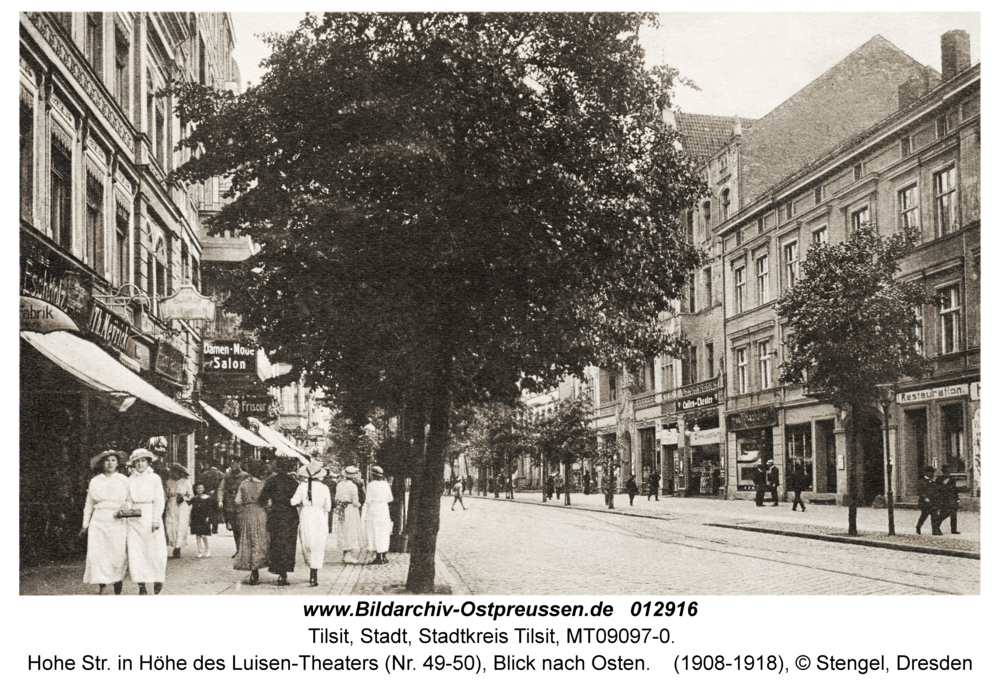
(868, 442)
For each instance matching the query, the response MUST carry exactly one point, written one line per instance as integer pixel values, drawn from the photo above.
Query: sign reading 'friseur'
(228, 357)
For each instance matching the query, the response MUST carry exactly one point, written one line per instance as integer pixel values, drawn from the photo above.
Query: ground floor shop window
(752, 447)
(706, 470)
(953, 436)
(799, 452)
(647, 449)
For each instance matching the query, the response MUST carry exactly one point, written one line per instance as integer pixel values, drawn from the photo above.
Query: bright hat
(105, 454)
(180, 467)
(351, 471)
(314, 470)
(140, 454)
(376, 470)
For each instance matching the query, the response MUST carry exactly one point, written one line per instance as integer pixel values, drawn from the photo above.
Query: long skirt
(348, 527)
(377, 527)
(282, 527)
(254, 540)
(312, 535)
(177, 520)
(146, 548)
(107, 559)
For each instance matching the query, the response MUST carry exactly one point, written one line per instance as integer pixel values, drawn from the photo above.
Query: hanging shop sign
(929, 394)
(697, 401)
(49, 277)
(169, 362)
(42, 317)
(228, 357)
(110, 327)
(187, 304)
(668, 436)
(756, 418)
(251, 406)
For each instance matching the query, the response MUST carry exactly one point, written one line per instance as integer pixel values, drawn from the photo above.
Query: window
(723, 164)
(789, 210)
(858, 218)
(858, 172)
(918, 314)
(763, 291)
(612, 386)
(725, 205)
(905, 146)
(122, 71)
(740, 278)
(202, 63)
(61, 195)
(953, 434)
(741, 370)
(760, 225)
(941, 127)
(707, 275)
(121, 246)
(689, 366)
(950, 312)
(820, 236)
(706, 212)
(195, 274)
(709, 361)
(764, 359)
(667, 374)
(95, 43)
(692, 304)
(818, 195)
(791, 264)
(95, 224)
(27, 150)
(944, 201)
(908, 212)
(185, 264)
(160, 142)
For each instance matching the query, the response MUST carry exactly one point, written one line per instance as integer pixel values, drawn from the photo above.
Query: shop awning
(282, 446)
(248, 436)
(97, 370)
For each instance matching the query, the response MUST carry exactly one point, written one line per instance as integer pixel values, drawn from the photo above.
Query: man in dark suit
(947, 501)
(759, 482)
(226, 497)
(654, 486)
(927, 497)
(773, 480)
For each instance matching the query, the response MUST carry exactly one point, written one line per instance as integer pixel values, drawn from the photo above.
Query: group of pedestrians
(766, 478)
(938, 499)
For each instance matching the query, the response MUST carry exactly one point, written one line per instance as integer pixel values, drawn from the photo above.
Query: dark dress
(282, 521)
(202, 509)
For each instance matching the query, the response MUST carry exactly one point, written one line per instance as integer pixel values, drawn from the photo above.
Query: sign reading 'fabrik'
(228, 357)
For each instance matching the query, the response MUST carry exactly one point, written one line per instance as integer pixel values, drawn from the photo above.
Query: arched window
(725, 205)
(706, 211)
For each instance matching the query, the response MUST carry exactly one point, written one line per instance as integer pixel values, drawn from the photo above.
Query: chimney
(956, 55)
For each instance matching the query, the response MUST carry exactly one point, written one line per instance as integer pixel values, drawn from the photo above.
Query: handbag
(128, 513)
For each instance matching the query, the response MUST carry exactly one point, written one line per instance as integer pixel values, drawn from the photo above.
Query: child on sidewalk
(201, 519)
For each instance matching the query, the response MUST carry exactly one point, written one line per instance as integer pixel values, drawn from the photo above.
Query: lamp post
(887, 394)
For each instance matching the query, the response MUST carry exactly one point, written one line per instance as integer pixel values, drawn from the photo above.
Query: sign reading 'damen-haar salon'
(228, 357)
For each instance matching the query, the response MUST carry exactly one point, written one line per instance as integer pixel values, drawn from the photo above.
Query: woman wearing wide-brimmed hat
(178, 492)
(313, 499)
(347, 520)
(106, 535)
(254, 540)
(147, 550)
(377, 525)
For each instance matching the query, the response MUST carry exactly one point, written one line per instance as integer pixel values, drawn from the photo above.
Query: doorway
(870, 459)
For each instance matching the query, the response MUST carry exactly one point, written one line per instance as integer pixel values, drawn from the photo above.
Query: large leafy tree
(567, 435)
(446, 202)
(852, 326)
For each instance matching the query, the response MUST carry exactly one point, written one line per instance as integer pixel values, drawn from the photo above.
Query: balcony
(764, 397)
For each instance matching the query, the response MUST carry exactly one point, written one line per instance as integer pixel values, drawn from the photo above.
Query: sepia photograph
(499, 304)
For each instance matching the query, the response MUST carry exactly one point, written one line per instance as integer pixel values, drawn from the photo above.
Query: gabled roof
(703, 135)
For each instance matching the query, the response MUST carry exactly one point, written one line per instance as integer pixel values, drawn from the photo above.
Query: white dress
(313, 521)
(106, 557)
(347, 520)
(377, 526)
(177, 519)
(147, 549)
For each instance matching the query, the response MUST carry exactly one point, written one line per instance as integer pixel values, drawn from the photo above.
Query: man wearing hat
(228, 489)
(314, 502)
(178, 492)
(773, 480)
(147, 549)
(947, 491)
(377, 522)
(927, 498)
(347, 516)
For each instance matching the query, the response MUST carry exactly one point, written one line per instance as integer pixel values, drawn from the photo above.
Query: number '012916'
(664, 608)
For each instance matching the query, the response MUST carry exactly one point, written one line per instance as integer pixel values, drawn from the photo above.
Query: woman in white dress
(377, 526)
(347, 516)
(177, 492)
(313, 499)
(108, 493)
(147, 550)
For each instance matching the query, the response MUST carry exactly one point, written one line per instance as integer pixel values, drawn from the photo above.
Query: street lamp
(887, 393)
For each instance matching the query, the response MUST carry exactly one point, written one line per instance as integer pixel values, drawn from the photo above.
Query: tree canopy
(449, 202)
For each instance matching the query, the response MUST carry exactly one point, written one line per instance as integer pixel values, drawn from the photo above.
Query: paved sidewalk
(191, 575)
(819, 521)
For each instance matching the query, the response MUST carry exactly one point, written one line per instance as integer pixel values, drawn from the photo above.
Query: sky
(745, 64)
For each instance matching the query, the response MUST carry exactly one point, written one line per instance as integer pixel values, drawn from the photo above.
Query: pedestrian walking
(927, 499)
(106, 530)
(282, 518)
(550, 486)
(348, 516)
(202, 509)
(145, 544)
(632, 489)
(376, 523)
(456, 490)
(560, 483)
(252, 519)
(773, 480)
(586, 482)
(797, 482)
(211, 478)
(228, 489)
(948, 500)
(759, 482)
(654, 486)
(178, 492)
(313, 499)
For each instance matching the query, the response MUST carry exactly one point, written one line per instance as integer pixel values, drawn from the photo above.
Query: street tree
(446, 202)
(852, 327)
(567, 435)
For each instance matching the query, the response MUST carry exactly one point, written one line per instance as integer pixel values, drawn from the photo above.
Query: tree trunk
(852, 479)
(426, 496)
(566, 480)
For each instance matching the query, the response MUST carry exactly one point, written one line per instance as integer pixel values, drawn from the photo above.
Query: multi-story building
(106, 244)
